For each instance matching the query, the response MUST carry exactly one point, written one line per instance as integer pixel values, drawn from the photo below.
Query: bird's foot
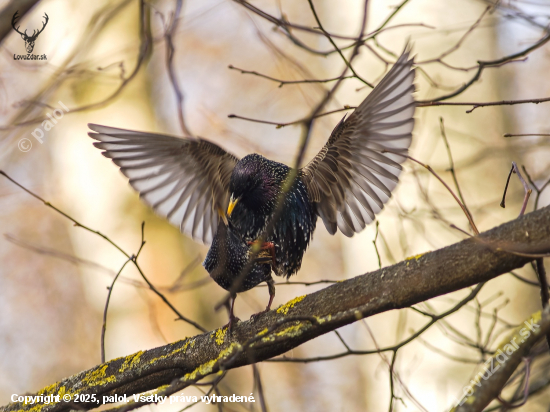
(271, 287)
(255, 316)
(233, 320)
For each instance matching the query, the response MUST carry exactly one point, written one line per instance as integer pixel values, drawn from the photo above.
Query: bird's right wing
(354, 173)
(185, 180)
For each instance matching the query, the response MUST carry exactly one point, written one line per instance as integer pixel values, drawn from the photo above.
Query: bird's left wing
(352, 176)
(183, 179)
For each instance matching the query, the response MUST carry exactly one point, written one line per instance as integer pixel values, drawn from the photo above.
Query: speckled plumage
(258, 184)
(228, 256)
(227, 263)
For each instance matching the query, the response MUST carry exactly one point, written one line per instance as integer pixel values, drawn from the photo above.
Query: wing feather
(183, 179)
(352, 176)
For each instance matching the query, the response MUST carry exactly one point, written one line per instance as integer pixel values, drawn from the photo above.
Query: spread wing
(351, 177)
(185, 180)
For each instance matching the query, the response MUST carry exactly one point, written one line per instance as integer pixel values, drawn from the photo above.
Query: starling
(227, 258)
(194, 182)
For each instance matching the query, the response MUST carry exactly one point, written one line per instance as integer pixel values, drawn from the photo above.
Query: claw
(255, 316)
(229, 325)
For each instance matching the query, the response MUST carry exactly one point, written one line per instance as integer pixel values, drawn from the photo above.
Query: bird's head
(254, 185)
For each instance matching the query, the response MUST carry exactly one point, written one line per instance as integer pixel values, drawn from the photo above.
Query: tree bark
(180, 364)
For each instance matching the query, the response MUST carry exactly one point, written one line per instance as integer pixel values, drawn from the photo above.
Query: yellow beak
(223, 216)
(232, 203)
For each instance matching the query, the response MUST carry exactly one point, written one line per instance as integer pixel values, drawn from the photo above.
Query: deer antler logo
(29, 40)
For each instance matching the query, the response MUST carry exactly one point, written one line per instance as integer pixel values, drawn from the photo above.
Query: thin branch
(510, 405)
(294, 122)
(132, 258)
(445, 354)
(393, 373)
(330, 39)
(88, 229)
(475, 105)
(528, 191)
(104, 325)
(482, 65)
(452, 165)
(376, 247)
(433, 321)
(527, 281)
(145, 51)
(259, 387)
(477, 397)
(525, 134)
(284, 82)
(429, 168)
(544, 293)
(537, 189)
(170, 52)
(396, 10)
(454, 48)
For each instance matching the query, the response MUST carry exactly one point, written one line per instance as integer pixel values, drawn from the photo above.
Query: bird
(228, 257)
(202, 188)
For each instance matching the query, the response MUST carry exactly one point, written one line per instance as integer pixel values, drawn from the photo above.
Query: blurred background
(54, 275)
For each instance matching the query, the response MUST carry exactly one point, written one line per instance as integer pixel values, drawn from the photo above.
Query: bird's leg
(232, 317)
(269, 246)
(271, 287)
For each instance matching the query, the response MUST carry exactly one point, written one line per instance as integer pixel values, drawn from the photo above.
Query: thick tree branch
(180, 364)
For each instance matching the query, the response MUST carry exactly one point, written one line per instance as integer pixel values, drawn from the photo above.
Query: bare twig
(537, 189)
(109, 240)
(454, 48)
(482, 65)
(429, 168)
(510, 405)
(475, 105)
(259, 387)
(132, 258)
(528, 191)
(294, 122)
(376, 247)
(433, 321)
(330, 39)
(544, 292)
(145, 50)
(452, 165)
(104, 325)
(284, 82)
(526, 134)
(170, 52)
